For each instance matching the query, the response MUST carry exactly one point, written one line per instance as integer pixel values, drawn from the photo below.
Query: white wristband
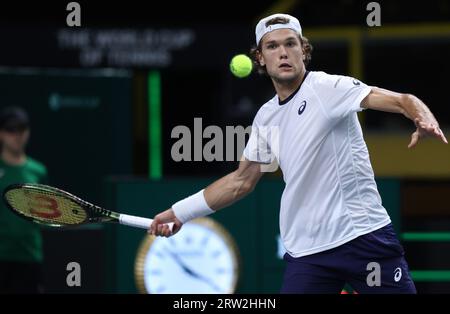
(191, 207)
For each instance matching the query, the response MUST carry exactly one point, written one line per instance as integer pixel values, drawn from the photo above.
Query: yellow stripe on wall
(390, 156)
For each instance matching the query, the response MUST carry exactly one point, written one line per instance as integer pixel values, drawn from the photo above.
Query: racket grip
(138, 222)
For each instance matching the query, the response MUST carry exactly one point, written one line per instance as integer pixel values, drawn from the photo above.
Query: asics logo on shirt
(355, 82)
(397, 274)
(302, 107)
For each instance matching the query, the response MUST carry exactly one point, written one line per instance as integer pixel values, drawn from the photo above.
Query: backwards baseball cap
(13, 119)
(262, 29)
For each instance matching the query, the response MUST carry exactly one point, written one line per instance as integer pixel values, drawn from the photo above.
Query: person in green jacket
(21, 252)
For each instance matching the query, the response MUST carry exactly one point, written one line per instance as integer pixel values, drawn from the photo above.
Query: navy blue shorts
(371, 263)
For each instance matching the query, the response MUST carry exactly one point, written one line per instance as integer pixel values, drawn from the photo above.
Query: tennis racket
(53, 207)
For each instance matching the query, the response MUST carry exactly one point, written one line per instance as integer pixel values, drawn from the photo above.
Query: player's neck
(286, 88)
(13, 158)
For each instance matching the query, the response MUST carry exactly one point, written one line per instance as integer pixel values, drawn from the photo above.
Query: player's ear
(302, 44)
(260, 58)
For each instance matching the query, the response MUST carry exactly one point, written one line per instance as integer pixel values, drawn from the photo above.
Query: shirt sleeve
(259, 148)
(342, 95)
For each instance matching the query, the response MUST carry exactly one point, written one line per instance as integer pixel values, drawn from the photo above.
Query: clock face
(200, 258)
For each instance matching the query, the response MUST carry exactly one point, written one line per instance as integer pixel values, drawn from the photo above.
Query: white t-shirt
(330, 195)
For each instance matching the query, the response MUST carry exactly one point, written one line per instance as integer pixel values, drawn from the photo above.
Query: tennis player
(332, 221)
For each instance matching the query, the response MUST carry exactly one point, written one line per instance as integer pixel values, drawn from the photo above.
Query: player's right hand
(159, 226)
(426, 129)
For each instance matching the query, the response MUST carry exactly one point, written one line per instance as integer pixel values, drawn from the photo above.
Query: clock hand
(210, 282)
(183, 265)
(192, 273)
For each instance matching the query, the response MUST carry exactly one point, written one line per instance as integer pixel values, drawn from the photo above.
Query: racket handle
(138, 222)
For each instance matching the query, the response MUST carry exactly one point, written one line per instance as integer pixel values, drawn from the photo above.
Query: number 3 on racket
(57, 208)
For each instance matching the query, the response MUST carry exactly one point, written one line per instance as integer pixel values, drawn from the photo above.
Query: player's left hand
(426, 130)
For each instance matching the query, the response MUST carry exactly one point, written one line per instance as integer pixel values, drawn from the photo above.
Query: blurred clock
(201, 258)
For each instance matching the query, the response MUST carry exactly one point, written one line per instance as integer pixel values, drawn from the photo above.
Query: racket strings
(46, 206)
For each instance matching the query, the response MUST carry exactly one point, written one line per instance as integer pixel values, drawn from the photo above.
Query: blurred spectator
(21, 253)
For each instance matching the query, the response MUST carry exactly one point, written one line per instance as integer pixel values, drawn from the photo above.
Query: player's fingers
(153, 226)
(432, 128)
(417, 122)
(443, 138)
(166, 231)
(159, 231)
(176, 226)
(422, 125)
(438, 134)
(162, 218)
(426, 128)
(414, 139)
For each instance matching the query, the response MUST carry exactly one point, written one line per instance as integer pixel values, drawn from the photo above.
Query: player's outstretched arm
(411, 107)
(218, 195)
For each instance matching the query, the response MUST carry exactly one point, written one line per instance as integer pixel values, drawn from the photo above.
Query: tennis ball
(241, 65)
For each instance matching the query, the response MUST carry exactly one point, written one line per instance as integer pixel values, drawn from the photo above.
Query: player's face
(14, 141)
(282, 54)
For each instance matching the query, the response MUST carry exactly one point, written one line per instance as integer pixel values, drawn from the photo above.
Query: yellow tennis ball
(241, 65)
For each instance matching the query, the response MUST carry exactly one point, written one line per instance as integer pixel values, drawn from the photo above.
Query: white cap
(262, 29)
